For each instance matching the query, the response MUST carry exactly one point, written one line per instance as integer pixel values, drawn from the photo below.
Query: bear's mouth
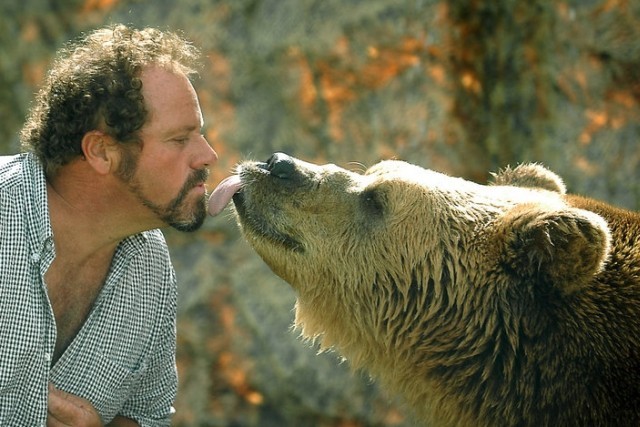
(254, 223)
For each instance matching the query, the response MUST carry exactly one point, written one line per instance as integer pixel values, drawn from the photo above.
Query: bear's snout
(281, 172)
(284, 169)
(282, 166)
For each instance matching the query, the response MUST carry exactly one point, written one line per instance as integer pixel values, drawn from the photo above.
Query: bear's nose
(281, 166)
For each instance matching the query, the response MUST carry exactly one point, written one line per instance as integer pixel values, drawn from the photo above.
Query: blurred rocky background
(461, 86)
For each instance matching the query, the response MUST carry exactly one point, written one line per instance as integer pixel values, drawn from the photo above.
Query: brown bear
(511, 304)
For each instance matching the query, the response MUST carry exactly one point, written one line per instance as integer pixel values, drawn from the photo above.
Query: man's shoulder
(155, 239)
(11, 170)
(151, 245)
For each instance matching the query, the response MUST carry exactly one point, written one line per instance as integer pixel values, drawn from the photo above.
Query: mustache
(196, 178)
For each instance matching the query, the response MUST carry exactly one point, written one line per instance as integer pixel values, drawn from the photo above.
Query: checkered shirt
(123, 358)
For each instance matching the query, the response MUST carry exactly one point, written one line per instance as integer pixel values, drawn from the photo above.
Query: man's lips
(199, 188)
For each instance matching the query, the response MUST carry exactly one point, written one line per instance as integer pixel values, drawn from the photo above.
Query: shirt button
(35, 258)
(47, 357)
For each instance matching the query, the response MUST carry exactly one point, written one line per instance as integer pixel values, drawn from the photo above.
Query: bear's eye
(373, 201)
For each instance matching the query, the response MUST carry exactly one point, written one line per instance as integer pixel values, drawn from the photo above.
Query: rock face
(510, 304)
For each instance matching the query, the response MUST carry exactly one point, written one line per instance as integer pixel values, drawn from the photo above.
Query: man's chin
(194, 223)
(186, 226)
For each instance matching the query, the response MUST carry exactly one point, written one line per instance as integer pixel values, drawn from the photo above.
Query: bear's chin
(257, 229)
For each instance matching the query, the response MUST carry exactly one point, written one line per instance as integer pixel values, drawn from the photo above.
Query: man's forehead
(171, 100)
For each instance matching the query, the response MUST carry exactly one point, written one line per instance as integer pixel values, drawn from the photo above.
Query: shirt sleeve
(151, 404)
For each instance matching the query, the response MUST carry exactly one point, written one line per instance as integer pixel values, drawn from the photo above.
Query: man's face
(167, 174)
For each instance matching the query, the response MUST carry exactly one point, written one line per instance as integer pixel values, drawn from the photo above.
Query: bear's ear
(559, 245)
(530, 175)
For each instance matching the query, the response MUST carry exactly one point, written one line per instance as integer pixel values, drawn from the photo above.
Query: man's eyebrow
(182, 129)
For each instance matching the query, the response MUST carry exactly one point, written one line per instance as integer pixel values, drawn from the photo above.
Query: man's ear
(100, 151)
(558, 245)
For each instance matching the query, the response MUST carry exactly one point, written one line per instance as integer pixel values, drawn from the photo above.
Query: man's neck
(90, 215)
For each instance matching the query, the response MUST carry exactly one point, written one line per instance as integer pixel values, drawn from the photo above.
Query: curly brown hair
(94, 83)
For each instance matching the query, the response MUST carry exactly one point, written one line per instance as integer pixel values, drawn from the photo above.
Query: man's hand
(68, 410)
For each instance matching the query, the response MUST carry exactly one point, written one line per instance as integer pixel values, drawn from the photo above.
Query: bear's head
(417, 276)
(399, 237)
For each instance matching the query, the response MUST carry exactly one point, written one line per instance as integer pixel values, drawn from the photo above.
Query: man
(87, 290)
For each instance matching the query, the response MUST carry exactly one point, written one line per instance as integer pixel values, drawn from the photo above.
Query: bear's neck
(421, 336)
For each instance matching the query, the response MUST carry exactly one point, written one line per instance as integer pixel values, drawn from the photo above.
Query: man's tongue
(221, 196)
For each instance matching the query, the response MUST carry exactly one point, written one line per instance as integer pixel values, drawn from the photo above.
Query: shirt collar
(36, 206)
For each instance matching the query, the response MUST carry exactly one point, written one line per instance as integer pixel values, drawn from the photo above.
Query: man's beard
(173, 213)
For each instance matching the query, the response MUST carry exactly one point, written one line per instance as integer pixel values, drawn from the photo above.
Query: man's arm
(151, 401)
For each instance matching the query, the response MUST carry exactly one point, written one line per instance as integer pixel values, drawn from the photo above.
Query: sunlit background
(461, 86)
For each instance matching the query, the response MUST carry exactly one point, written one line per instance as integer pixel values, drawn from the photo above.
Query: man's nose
(206, 155)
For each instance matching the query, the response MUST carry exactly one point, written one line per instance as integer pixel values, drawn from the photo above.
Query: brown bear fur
(512, 304)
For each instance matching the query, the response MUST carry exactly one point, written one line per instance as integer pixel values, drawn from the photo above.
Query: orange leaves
(618, 110)
(97, 5)
(34, 72)
(338, 78)
(235, 373)
(385, 63)
(30, 32)
(231, 366)
(471, 82)
(598, 120)
(609, 5)
(623, 99)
